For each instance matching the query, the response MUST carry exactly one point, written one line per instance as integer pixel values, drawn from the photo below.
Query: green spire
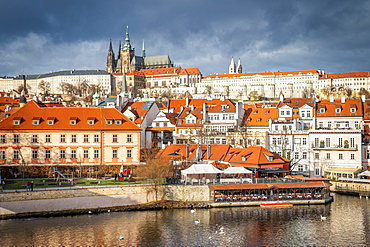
(127, 46)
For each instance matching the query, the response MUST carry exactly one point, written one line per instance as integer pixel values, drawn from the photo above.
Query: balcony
(344, 147)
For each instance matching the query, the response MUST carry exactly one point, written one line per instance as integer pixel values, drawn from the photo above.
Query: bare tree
(155, 170)
(44, 87)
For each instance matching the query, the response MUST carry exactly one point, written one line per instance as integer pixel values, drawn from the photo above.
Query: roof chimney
(343, 99)
(331, 98)
(363, 98)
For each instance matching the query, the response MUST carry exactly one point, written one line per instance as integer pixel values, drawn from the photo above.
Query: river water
(347, 224)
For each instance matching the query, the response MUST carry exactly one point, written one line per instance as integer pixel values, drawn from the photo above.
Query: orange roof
(345, 109)
(254, 156)
(190, 71)
(258, 117)
(181, 151)
(8, 100)
(139, 109)
(161, 71)
(218, 108)
(298, 72)
(345, 75)
(63, 115)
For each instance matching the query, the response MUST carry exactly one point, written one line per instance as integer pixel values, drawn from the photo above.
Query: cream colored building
(50, 136)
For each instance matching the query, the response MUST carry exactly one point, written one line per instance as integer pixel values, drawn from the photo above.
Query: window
(62, 154)
(300, 168)
(296, 155)
(114, 154)
(115, 138)
(328, 156)
(317, 155)
(317, 171)
(96, 153)
(340, 142)
(16, 138)
(63, 138)
(2, 139)
(327, 142)
(118, 121)
(16, 122)
(73, 154)
(304, 155)
(47, 138)
(357, 125)
(72, 122)
(352, 142)
(86, 138)
(74, 138)
(352, 156)
(16, 154)
(47, 154)
(36, 121)
(90, 121)
(329, 125)
(34, 154)
(304, 141)
(34, 138)
(86, 153)
(129, 138)
(129, 153)
(340, 156)
(96, 138)
(316, 142)
(2, 154)
(367, 154)
(109, 121)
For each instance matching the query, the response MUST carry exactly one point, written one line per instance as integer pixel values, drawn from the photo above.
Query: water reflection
(347, 224)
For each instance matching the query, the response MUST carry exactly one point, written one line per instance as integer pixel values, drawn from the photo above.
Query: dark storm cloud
(42, 36)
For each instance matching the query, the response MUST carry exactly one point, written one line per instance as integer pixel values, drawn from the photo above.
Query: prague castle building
(127, 60)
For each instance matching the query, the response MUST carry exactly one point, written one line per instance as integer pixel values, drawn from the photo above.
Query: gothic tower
(232, 66)
(126, 53)
(239, 68)
(110, 67)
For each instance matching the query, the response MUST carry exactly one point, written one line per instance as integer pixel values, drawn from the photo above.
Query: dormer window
(118, 121)
(338, 109)
(51, 121)
(353, 108)
(109, 121)
(73, 121)
(90, 121)
(35, 121)
(17, 121)
(322, 110)
(271, 158)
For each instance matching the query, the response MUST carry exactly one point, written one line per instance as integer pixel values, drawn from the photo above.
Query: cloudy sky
(40, 36)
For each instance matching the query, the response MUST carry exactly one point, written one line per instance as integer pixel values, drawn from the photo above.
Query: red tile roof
(63, 115)
(330, 108)
(262, 73)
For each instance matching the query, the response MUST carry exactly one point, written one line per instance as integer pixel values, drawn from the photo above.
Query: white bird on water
(121, 238)
(192, 211)
(90, 212)
(323, 217)
(197, 222)
(108, 210)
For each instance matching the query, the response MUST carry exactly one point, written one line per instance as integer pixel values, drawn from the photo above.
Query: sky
(41, 36)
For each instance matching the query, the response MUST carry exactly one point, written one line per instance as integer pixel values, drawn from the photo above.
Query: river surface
(347, 224)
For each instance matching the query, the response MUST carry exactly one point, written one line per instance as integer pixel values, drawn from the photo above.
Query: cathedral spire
(127, 46)
(232, 66)
(239, 68)
(110, 66)
(143, 51)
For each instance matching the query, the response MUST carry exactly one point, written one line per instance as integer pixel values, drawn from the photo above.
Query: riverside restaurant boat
(256, 194)
(273, 205)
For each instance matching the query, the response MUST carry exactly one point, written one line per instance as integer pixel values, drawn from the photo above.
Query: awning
(343, 170)
(271, 170)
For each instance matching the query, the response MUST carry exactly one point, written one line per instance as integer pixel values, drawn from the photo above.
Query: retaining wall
(89, 198)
